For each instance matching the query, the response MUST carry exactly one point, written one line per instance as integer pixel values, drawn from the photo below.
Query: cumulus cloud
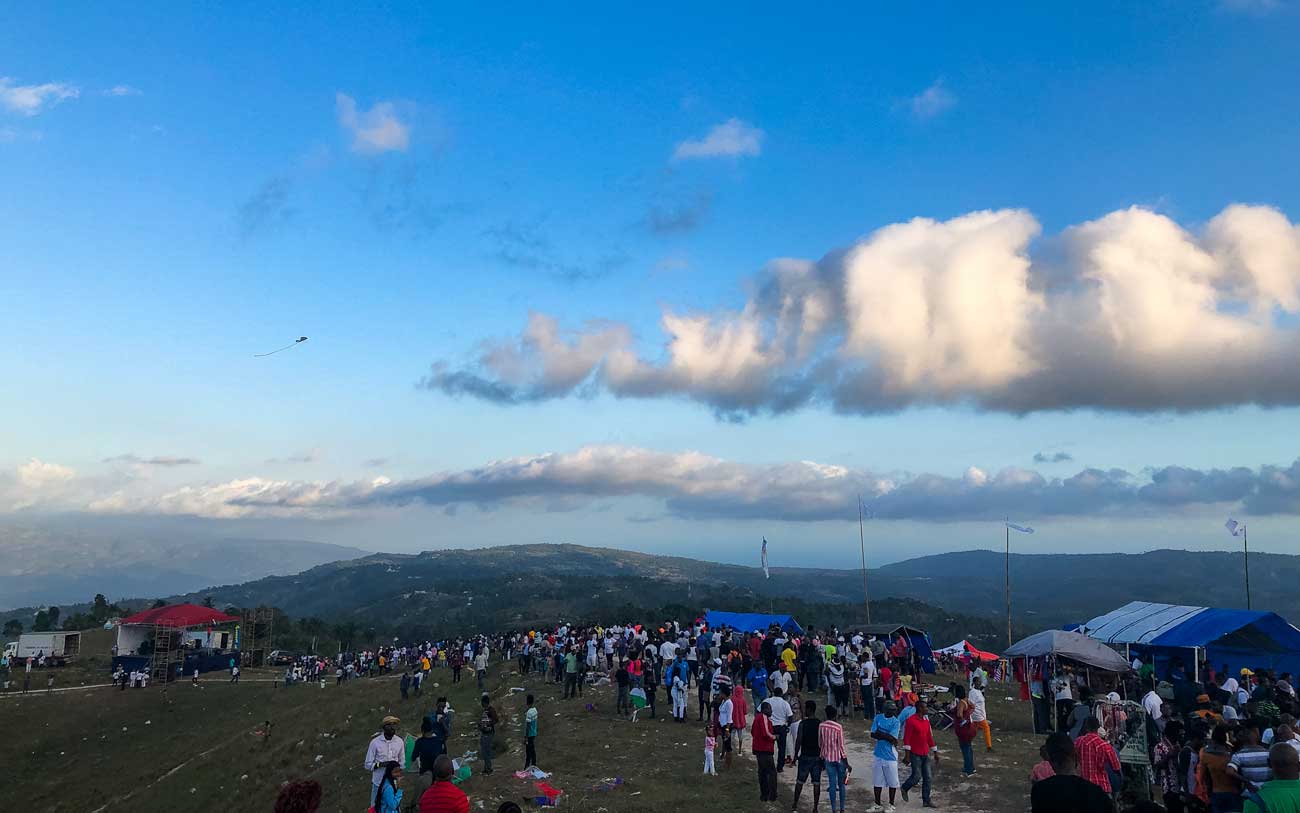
(29, 100)
(1129, 312)
(932, 101)
(691, 485)
(731, 139)
(123, 90)
(161, 460)
(375, 130)
(1052, 457)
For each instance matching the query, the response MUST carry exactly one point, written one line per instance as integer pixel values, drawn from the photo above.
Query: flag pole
(1245, 552)
(862, 548)
(1007, 528)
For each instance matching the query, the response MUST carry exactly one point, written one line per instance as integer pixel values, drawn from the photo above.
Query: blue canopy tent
(748, 622)
(916, 638)
(1238, 638)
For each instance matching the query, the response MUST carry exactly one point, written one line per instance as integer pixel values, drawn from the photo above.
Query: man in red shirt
(1095, 755)
(442, 796)
(918, 739)
(763, 738)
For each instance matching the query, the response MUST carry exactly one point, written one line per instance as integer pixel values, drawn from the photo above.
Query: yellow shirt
(905, 684)
(788, 656)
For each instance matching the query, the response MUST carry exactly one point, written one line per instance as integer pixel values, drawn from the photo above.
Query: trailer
(62, 645)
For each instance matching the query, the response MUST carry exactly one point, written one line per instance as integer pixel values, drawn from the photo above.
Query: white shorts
(885, 774)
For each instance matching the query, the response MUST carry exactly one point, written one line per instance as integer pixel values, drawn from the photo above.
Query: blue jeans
(967, 758)
(835, 779)
(922, 770)
(868, 703)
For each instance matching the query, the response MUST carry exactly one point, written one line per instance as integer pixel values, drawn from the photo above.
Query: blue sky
(183, 189)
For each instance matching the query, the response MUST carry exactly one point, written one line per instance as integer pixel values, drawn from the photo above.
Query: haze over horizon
(594, 278)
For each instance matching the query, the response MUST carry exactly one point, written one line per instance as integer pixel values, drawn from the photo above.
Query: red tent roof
(181, 615)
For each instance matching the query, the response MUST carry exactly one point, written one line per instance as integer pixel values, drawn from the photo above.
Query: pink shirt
(830, 735)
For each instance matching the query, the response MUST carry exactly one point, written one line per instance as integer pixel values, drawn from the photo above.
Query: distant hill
(58, 565)
(1048, 589)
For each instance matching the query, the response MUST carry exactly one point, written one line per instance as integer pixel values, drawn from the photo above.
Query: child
(710, 744)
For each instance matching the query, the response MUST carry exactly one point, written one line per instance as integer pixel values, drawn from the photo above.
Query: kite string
(273, 352)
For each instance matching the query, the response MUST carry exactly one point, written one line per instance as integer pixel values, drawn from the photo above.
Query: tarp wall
(748, 622)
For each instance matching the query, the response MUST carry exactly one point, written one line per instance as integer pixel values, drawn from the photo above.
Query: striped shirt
(830, 736)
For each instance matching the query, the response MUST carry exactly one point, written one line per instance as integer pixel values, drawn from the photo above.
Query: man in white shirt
(1152, 703)
(867, 678)
(781, 714)
(980, 716)
(384, 748)
(668, 651)
(480, 667)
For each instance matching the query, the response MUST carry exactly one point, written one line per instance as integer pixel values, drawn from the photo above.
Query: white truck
(60, 645)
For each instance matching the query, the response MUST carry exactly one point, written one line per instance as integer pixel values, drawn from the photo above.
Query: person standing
(964, 729)
(385, 747)
(624, 681)
(979, 712)
(918, 739)
(404, 685)
(480, 667)
(763, 742)
(725, 711)
(867, 679)
(710, 746)
(530, 733)
(1095, 756)
(886, 730)
(780, 714)
(424, 754)
(487, 730)
(571, 674)
(831, 739)
(808, 754)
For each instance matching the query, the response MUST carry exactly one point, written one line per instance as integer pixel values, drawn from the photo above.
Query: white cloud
(1129, 312)
(932, 101)
(692, 485)
(123, 90)
(732, 138)
(375, 130)
(29, 100)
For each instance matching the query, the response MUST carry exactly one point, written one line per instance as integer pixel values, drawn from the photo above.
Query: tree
(42, 622)
(101, 609)
(54, 618)
(159, 603)
(208, 602)
(13, 628)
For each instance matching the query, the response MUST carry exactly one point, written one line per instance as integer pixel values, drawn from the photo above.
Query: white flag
(1021, 528)
(766, 575)
(1235, 528)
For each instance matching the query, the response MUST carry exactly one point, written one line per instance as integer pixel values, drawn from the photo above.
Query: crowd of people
(793, 693)
(1216, 740)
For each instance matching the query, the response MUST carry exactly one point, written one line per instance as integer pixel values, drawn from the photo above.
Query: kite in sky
(295, 343)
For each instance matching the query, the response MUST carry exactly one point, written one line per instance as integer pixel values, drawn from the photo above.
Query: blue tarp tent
(1238, 638)
(916, 638)
(748, 622)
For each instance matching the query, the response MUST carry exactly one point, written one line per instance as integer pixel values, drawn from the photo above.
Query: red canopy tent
(180, 616)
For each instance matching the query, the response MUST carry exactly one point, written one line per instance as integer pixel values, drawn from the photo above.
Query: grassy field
(198, 749)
